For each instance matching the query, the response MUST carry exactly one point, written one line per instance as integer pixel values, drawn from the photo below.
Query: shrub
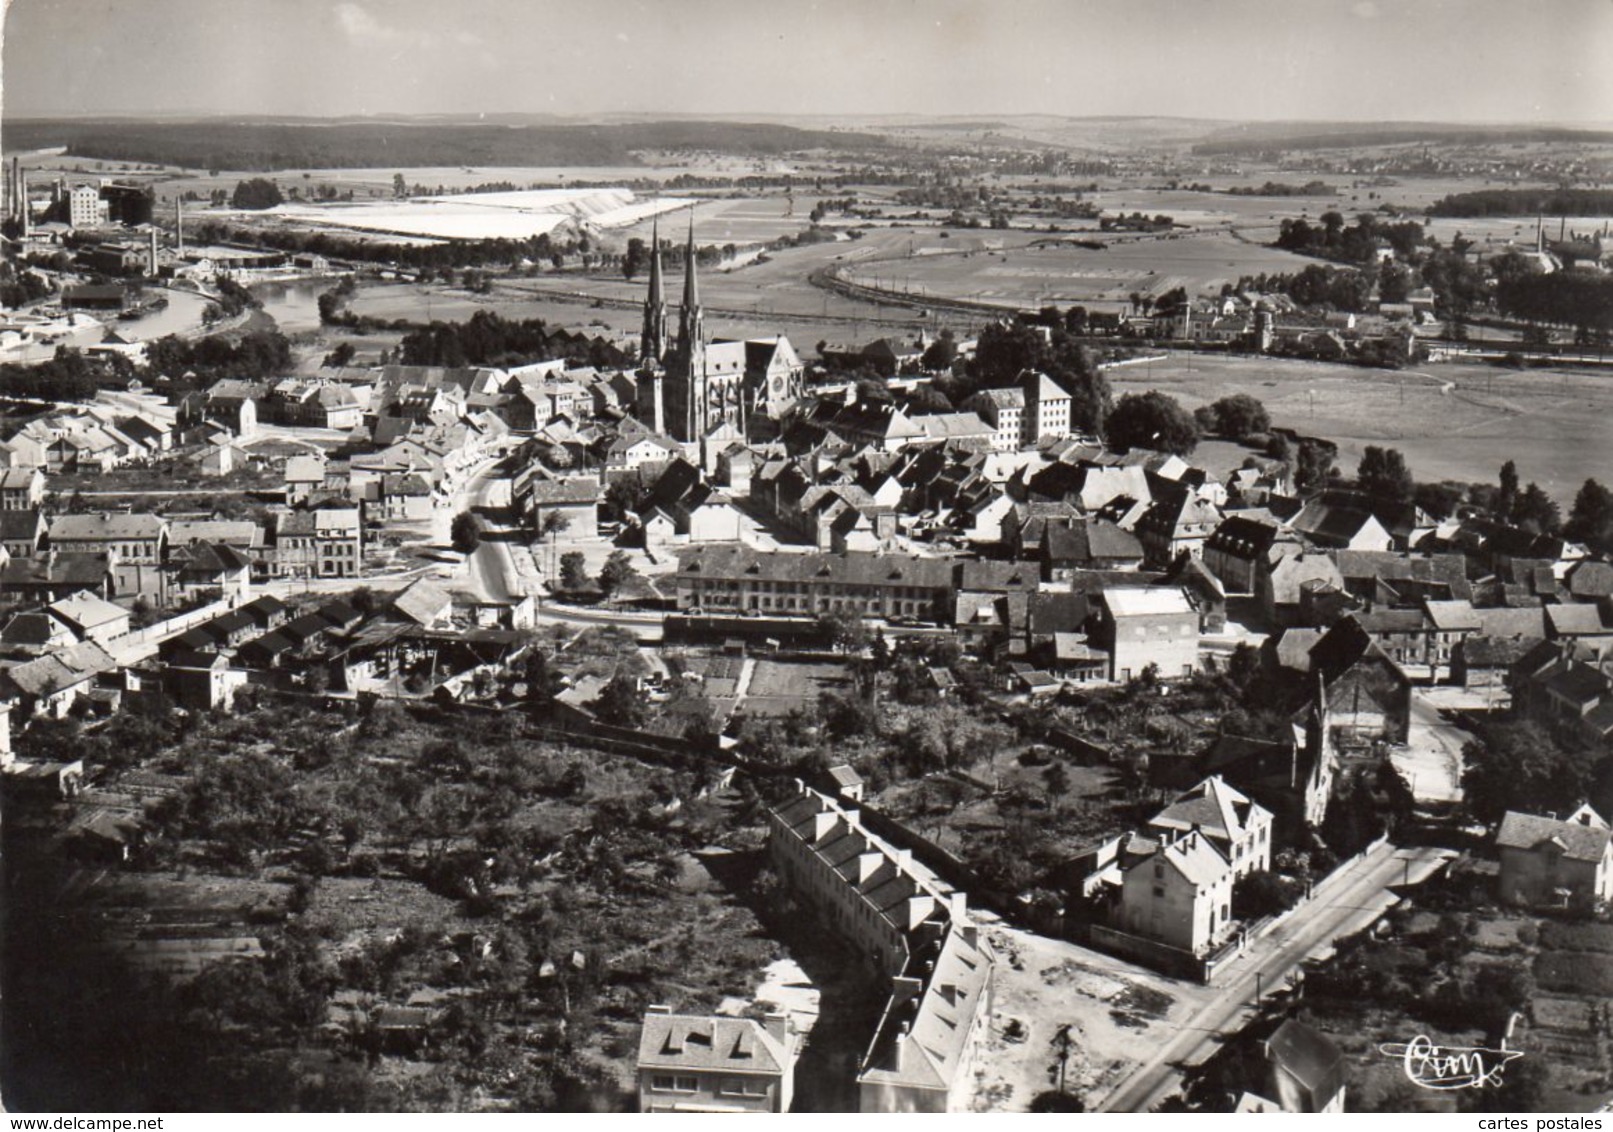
(1557, 936)
(1576, 972)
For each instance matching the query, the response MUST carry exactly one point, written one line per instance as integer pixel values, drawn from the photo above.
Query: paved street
(1432, 758)
(1345, 903)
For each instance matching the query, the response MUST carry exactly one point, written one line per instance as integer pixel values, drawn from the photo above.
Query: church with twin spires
(709, 393)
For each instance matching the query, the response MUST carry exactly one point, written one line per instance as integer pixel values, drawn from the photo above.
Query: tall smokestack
(179, 228)
(151, 253)
(27, 213)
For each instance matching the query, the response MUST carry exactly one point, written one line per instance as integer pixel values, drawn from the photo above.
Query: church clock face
(778, 385)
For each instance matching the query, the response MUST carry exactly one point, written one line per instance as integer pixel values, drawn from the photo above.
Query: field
(1452, 421)
(1068, 274)
(776, 687)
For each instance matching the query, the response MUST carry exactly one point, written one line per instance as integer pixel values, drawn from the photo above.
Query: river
(295, 306)
(183, 312)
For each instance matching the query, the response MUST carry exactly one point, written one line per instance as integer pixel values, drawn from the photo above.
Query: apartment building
(917, 940)
(735, 579)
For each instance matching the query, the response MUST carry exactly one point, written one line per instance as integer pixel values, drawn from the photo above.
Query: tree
(573, 571)
(553, 522)
(1152, 420)
(843, 629)
(1507, 498)
(1519, 766)
(621, 703)
(342, 355)
(1236, 417)
(400, 187)
(1383, 474)
(616, 572)
(940, 354)
(1056, 781)
(465, 532)
(635, 258)
(1537, 512)
(256, 193)
(1313, 464)
(1591, 519)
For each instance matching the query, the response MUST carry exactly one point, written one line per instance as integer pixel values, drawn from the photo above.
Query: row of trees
(1581, 299)
(489, 339)
(1356, 243)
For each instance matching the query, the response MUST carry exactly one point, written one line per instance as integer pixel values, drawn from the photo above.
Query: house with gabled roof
(89, 617)
(1304, 1072)
(716, 1063)
(1368, 697)
(1341, 527)
(1242, 549)
(1551, 862)
(52, 575)
(21, 489)
(21, 532)
(1238, 827)
(1180, 895)
(134, 538)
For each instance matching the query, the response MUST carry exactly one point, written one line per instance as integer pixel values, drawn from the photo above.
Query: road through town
(1346, 902)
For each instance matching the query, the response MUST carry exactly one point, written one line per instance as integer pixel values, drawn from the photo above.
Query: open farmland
(1452, 421)
(1064, 273)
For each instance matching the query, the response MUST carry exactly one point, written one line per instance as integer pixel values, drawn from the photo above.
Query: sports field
(1452, 421)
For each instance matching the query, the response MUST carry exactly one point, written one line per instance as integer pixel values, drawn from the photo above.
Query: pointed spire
(656, 295)
(652, 342)
(691, 289)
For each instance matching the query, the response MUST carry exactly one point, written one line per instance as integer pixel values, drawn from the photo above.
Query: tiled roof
(104, 526)
(1574, 620)
(1212, 806)
(713, 1042)
(851, 568)
(85, 611)
(1577, 841)
(1310, 1057)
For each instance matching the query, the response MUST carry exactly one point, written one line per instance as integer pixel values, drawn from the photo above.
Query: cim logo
(1431, 1066)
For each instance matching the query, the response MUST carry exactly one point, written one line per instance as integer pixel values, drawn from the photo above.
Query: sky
(1367, 60)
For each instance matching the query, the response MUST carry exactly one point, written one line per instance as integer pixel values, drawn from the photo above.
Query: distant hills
(263, 144)
(506, 140)
(1257, 137)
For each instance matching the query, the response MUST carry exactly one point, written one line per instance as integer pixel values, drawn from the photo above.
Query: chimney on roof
(958, 906)
(777, 1025)
(904, 859)
(658, 1008)
(904, 988)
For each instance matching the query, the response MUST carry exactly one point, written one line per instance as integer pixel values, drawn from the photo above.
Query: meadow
(1457, 421)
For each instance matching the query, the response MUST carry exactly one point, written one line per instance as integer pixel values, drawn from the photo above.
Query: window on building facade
(668, 1083)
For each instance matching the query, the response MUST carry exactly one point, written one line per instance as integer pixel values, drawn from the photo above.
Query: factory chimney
(179, 228)
(151, 253)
